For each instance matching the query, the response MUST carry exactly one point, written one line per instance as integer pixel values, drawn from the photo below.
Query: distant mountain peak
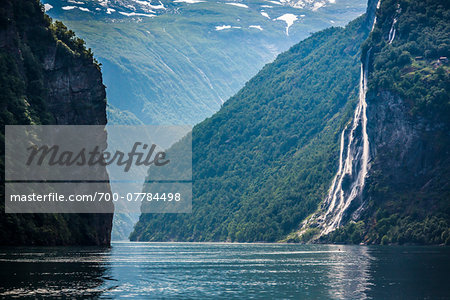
(151, 8)
(308, 4)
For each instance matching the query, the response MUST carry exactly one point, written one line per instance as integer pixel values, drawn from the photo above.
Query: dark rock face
(409, 164)
(47, 77)
(76, 94)
(392, 130)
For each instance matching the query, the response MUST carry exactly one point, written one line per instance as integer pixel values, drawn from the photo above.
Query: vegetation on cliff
(33, 52)
(415, 65)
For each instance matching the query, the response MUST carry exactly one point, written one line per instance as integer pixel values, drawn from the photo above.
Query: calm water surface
(192, 270)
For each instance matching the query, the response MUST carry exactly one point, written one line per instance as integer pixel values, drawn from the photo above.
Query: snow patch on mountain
(149, 4)
(237, 4)
(132, 14)
(264, 14)
(103, 3)
(188, 1)
(310, 4)
(318, 5)
(289, 19)
(256, 27)
(47, 7)
(276, 2)
(222, 27)
(303, 4)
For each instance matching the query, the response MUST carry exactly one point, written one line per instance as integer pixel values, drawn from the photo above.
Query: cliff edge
(47, 76)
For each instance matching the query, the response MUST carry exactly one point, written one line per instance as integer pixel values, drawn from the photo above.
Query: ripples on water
(193, 270)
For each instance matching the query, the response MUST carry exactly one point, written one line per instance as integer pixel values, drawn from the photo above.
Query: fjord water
(205, 270)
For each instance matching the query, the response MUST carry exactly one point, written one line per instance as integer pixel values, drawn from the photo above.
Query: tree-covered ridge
(265, 160)
(34, 54)
(23, 94)
(415, 65)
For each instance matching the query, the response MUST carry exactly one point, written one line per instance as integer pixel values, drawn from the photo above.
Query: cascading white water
(392, 32)
(355, 163)
(349, 181)
(353, 166)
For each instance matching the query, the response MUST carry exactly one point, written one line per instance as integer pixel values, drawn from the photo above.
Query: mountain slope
(47, 76)
(179, 66)
(264, 161)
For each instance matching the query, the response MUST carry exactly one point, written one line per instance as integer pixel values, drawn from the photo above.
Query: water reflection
(194, 270)
(53, 272)
(349, 272)
(411, 272)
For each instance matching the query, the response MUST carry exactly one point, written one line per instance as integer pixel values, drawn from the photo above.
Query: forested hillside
(265, 160)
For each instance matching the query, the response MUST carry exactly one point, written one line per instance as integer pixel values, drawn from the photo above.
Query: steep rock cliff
(47, 76)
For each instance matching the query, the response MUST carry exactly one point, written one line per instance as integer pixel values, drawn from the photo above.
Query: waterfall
(391, 35)
(353, 166)
(348, 183)
(392, 32)
(354, 159)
